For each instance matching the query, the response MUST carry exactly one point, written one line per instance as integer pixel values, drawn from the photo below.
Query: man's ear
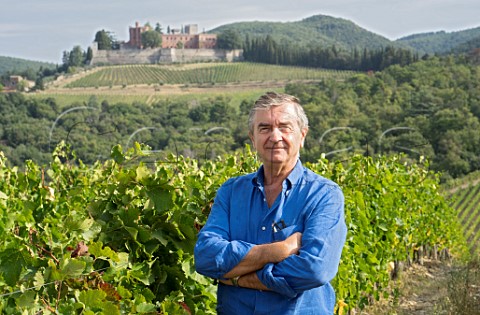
(250, 135)
(304, 134)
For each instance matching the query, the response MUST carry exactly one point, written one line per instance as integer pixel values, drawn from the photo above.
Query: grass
(420, 289)
(235, 96)
(63, 100)
(464, 289)
(436, 288)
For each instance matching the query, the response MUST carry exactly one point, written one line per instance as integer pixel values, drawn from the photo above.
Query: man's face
(277, 136)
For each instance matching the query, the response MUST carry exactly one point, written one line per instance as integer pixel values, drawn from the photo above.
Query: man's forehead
(283, 117)
(283, 112)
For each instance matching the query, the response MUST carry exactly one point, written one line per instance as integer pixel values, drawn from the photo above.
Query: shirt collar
(292, 178)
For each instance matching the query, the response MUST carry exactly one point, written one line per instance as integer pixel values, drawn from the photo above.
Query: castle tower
(191, 29)
(136, 35)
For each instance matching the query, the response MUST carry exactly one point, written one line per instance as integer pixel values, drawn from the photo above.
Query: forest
(269, 51)
(429, 109)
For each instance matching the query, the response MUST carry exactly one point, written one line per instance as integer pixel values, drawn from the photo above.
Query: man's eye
(264, 129)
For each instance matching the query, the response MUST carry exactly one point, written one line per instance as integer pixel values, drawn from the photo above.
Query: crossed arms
(258, 257)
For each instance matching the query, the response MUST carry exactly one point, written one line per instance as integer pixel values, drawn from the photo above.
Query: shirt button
(263, 228)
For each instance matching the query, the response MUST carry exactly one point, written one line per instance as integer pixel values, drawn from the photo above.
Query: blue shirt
(240, 219)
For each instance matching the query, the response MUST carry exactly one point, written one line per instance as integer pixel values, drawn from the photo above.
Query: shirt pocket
(284, 233)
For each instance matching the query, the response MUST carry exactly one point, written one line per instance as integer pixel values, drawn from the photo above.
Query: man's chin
(277, 159)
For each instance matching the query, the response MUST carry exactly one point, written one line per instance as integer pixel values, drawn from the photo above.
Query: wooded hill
(327, 31)
(318, 30)
(18, 65)
(444, 42)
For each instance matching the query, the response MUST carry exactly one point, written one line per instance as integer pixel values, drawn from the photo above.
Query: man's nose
(276, 135)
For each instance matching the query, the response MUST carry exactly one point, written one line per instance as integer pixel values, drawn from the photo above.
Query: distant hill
(441, 42)
(322, 30)
(468, 46)
(326, 31)
(18, 65)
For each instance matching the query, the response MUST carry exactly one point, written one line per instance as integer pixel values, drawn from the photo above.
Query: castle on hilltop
(178, 46)
(175, 38)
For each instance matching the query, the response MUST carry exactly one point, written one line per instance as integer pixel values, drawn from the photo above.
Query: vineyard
(117, 237)
(150, 96)
(466, 201)
(202, 73)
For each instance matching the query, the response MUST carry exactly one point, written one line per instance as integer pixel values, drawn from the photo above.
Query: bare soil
(422, 291)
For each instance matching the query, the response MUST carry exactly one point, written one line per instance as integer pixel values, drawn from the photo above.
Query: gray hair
(269, 99)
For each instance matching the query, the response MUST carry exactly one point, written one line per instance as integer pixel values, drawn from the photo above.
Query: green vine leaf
(73, 268)
(117, 154)
(12, 264)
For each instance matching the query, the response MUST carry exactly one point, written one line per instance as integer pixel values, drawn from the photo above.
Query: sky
(42, 29)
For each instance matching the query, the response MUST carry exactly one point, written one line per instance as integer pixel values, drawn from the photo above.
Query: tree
(22, 86)
(89, 56)
(39, 85)
(65, 58)
(76, 57)
(158, 28)
(151, 39)
(229, 39)
(221, 112)
(104, 40)
(200, 113)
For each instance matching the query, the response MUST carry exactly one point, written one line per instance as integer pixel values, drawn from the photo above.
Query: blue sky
(43, 29)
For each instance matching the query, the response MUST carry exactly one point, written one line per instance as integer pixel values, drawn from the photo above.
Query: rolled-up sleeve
(215, 252)
(322, 242)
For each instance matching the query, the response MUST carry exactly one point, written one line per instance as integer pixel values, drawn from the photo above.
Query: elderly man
(274, 238)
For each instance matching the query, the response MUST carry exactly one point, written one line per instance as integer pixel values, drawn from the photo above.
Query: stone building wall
(162, 55)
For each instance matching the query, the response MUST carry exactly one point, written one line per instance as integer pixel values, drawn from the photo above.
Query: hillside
(464, 196)
(18, 65)
(202, 73)
(469, 46)
(317, 30)
(326, 31)
(440, 42)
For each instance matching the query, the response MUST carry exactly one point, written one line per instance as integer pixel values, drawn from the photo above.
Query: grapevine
(117, 237)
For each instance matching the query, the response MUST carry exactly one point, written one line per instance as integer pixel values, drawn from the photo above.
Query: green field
(202, 73)
(235, 96)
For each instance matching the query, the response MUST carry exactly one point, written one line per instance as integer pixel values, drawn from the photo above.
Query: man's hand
(280, 250)
(293, 243)
(249, 280)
